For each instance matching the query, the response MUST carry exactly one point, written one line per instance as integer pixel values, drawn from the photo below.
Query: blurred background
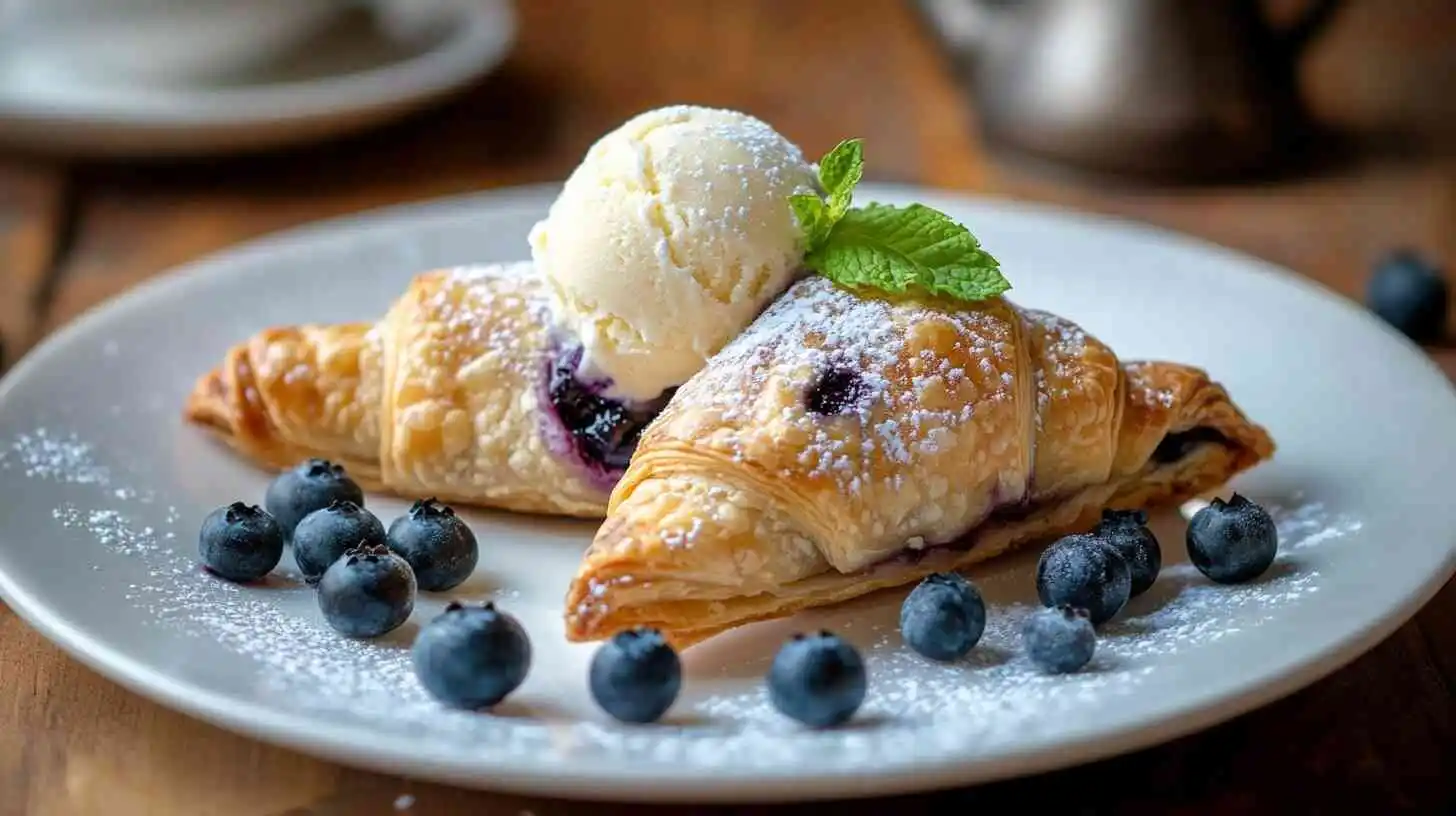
(136, 135)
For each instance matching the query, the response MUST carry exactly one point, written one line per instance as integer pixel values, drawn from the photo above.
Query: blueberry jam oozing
(835, 391)
(603, 431)
(1175, 446)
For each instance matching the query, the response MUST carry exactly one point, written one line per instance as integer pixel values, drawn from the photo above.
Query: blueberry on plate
(1409, 294)
(325, 535)
(1127, 531)
(817, 679)
(636, 675)
(943, 617)
(240, 542)
(312, 485)
(368, 592)
(471, 657)
(438, 545)
(1084, 572)
(1059, 640)
(1232, 542)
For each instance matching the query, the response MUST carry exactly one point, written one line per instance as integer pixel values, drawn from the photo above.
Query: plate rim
(592, 780)
(169, 122)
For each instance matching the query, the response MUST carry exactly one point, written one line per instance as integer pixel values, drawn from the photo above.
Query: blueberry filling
(835, 391)
(603, 431)
(1175, 446)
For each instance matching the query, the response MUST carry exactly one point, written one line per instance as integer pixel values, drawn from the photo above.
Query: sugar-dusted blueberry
(1410, 294)
(635, 676)
(835, 390)
(1059, 640)
(471, 657)
(1084, 572)
(240, 542)
(943, 617)
(325, 535)
(438, 545)
(368, 592)
(1232, 542)
(817, 679)
(311, 485)
(1127, 531)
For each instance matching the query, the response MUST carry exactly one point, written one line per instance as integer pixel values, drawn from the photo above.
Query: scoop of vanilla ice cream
(669, 238)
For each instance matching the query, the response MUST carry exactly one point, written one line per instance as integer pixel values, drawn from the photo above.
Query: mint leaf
(897, 248)
(813, 218)
(839, 171)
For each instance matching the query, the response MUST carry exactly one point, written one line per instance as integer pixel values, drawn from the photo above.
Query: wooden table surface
(1379, 735)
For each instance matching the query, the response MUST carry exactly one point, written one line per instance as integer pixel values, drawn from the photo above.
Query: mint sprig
(894, 249)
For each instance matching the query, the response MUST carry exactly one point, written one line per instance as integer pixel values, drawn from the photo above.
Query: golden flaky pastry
(460, 392)
(847, 443)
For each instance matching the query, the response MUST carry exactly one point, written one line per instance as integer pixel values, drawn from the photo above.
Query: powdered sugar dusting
(900, 407)
(916, 710)
(1138, 377)
(58, 458)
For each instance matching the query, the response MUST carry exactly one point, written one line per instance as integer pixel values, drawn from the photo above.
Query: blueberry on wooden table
(1410, 294)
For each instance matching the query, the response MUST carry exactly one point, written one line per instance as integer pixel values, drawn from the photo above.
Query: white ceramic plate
(102, 490)
(357, 76)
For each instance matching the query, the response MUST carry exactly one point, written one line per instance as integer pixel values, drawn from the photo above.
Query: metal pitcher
(1191, 89)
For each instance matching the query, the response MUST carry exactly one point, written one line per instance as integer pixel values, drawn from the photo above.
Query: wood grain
(1379, 735)
(565, 85)
(35, 220)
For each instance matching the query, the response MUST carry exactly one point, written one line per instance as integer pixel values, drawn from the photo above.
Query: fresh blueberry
(240, 542)
(818, 680)
(636, 675)
(1059, 640)
(324, 535)
(943, 617)
(1409, 294)
(1082, 571)
(1127, 531)
(1232, 542)
(472, 656)
(437, 544)
(835, 391)
(310, 486)
(369, 591)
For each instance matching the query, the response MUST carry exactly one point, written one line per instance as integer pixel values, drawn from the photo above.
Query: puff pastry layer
(847, 443)
(446, 396)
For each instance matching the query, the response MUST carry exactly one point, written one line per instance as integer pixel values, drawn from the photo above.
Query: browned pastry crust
(944, 435)
(443, 397)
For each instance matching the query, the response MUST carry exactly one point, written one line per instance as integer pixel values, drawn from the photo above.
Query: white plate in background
(374, 67)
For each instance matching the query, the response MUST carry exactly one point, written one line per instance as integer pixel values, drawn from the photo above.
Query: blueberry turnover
(774, 481)
(463, 391)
